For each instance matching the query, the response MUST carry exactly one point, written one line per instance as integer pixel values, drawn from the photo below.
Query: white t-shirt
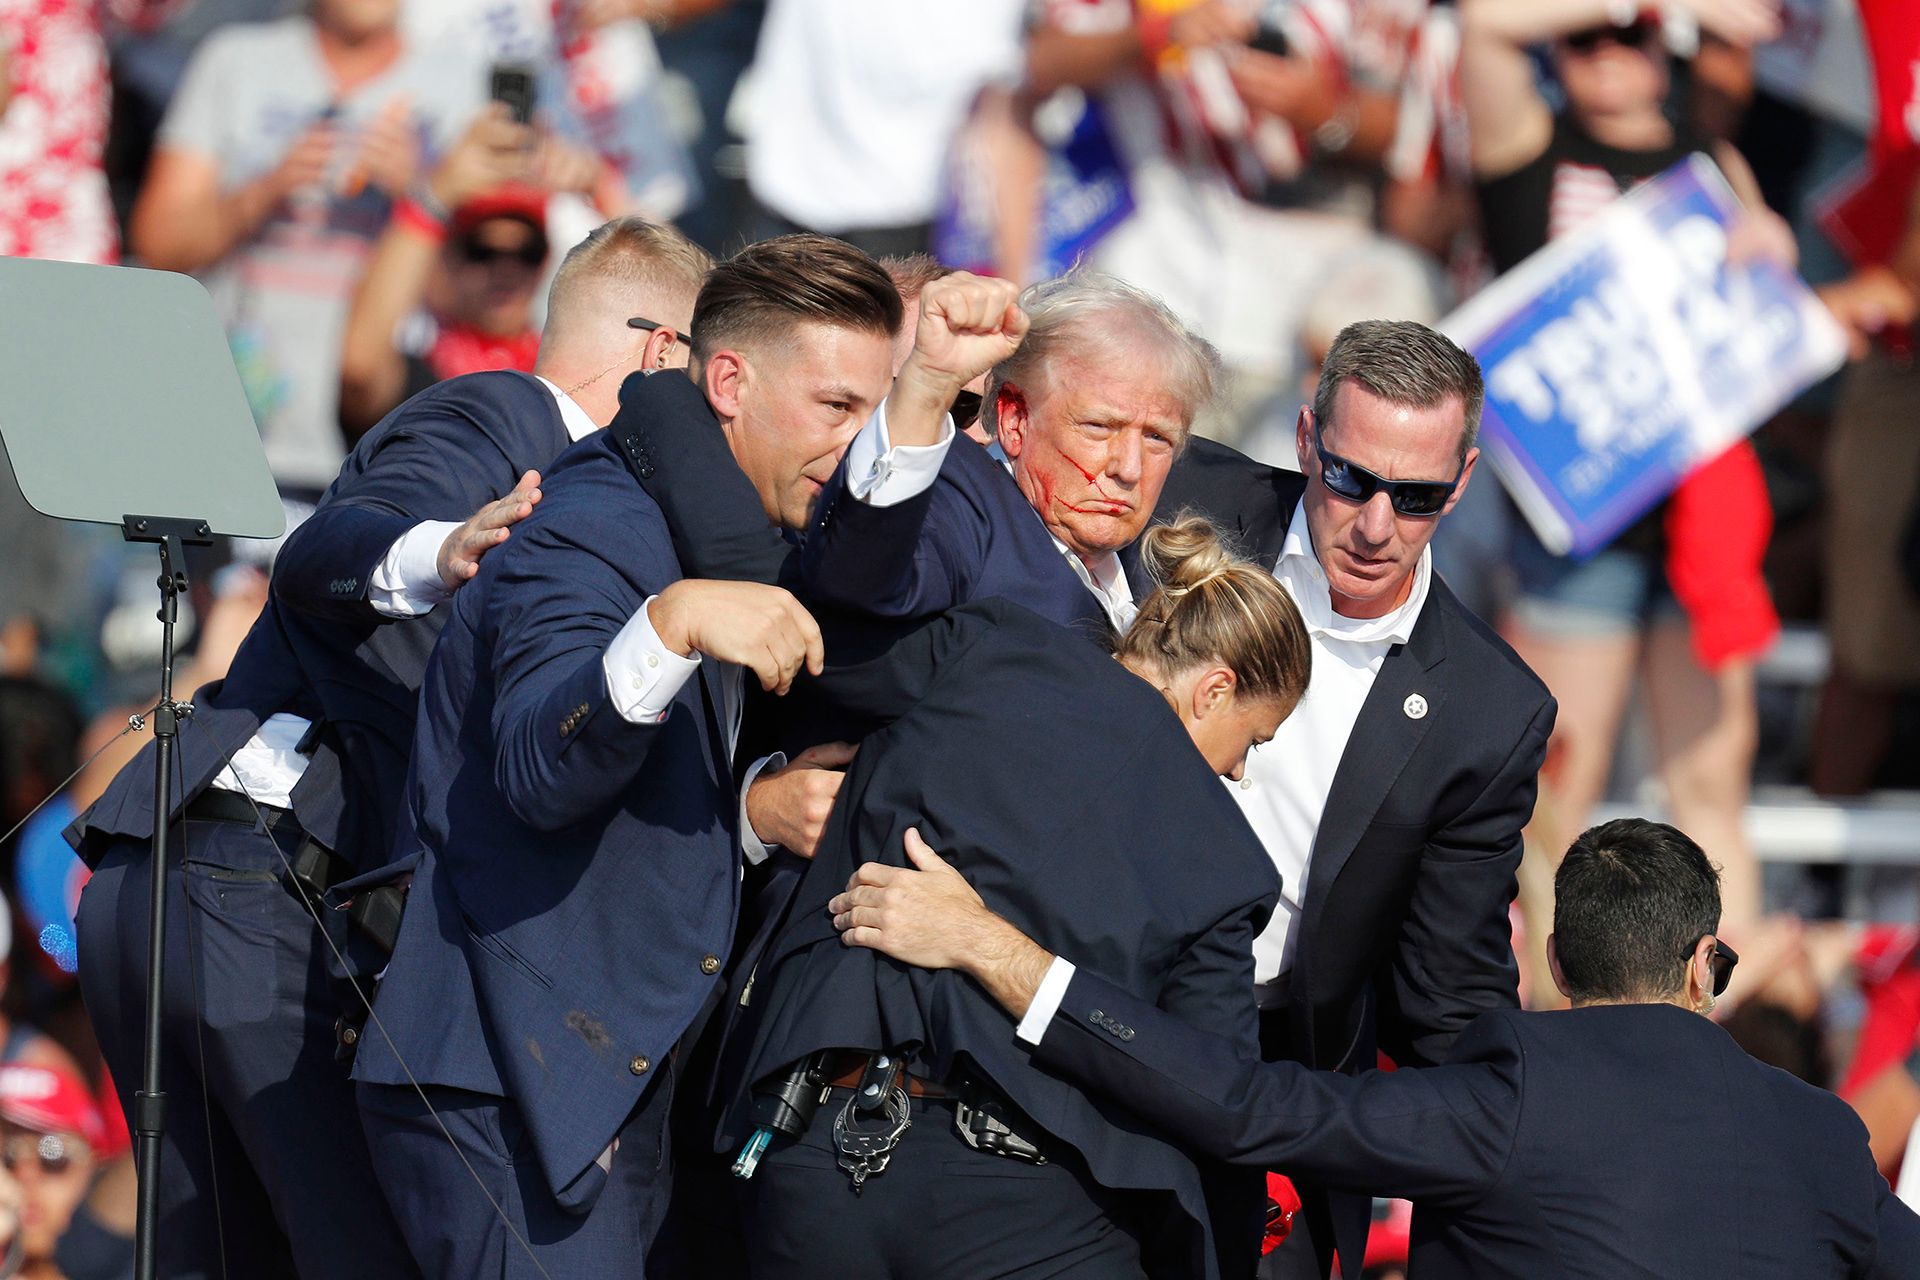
(855, 103)
(250, 91)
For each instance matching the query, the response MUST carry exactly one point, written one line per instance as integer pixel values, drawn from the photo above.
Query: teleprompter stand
(118, 393)
(149, 1119)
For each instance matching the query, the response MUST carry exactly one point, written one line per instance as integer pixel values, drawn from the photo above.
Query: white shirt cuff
(407, 582)
(1046, 1001)
(883, 474)
(643, 675)
(752, 846)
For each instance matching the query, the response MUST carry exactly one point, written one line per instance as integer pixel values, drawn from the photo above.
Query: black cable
(199, 1024)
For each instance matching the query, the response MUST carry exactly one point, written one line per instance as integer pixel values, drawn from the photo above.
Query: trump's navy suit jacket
(319, 649)
(1064, 788)
(971, 536)
(1623, 1142)
(578, 874)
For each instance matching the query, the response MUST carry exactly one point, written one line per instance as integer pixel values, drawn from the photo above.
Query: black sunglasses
(531, 254)
(641, 322)
(1635, 35)
(1722, 959)
(1349, 480)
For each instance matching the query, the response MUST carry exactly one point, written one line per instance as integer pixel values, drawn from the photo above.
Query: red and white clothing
(53, 191)
(1235, 225)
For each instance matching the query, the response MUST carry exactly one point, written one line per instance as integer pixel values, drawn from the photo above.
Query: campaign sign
(1085, 193)
(1623, 355)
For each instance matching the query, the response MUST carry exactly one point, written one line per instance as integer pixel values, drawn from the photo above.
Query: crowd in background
(354, 183)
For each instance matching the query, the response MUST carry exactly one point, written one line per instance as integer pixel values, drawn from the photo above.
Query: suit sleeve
(433, 463)
(1454, 956)
(1211, 986)
(1438, 1135)
(912, 559)
(1897, 1252)
(720, 528)
(564, 751)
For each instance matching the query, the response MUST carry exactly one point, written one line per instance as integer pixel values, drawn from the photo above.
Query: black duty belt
(313, 865)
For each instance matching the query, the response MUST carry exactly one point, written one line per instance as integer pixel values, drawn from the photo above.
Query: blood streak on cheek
(1113, 505)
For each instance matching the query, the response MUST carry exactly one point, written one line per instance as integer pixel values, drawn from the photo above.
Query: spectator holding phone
(273, 175)
(451, 283)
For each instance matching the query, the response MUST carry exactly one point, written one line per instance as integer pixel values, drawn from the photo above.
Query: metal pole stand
(150, 1103)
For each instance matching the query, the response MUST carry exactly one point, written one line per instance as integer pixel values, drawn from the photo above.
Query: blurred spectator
(1873, 460)
(53, 126)
(49, 1135)
(855, 104)
(273, 175)
(447, 294)
(1257, 149)
(1586, 626)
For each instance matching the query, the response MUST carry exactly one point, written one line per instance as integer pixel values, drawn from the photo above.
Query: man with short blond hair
(309, 733)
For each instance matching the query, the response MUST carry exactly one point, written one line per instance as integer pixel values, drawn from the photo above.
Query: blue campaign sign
(1622, 356)
(1085, 193)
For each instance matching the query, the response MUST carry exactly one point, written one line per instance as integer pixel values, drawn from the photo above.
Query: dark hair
(1631, 900)
(1404, 363)
(1208, 605)
(762, 292)
(40, 732)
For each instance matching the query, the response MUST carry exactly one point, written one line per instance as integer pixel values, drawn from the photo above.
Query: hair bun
(1185, 555)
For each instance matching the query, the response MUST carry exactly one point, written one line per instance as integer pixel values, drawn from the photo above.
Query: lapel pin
(1415, 706)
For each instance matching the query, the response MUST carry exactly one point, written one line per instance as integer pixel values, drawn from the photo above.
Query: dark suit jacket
(1404, 938)
(1618, 1142)
(971, 536)
(319, 650)
(1067, 792)
(578, 874)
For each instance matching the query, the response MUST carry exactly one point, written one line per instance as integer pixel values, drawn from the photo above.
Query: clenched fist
(789, 806)
(762, 628)
(967, 325)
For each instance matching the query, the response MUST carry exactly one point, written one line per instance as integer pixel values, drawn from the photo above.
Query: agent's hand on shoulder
(485, 529)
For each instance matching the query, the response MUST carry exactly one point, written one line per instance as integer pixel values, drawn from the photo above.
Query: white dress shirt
(1284, 791)
(852, 106)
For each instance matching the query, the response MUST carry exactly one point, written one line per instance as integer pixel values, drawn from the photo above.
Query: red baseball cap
(510, 200)
(48, 1101)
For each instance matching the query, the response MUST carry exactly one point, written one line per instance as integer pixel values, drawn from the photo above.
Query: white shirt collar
(579, 426)
(1300, 572)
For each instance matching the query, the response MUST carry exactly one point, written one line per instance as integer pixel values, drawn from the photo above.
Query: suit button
(646, 471)
(709, 965)
(639, 1065)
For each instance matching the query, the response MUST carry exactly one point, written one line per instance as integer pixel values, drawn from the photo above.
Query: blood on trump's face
(1091, 441)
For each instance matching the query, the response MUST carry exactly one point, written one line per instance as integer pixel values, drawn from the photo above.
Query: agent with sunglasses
(1392, 800)
(1627, 1136)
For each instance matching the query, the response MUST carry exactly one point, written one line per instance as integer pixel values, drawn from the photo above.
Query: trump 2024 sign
(1621, 356)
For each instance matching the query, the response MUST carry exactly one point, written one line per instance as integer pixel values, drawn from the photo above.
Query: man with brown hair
(571, 801)
(1392, 800)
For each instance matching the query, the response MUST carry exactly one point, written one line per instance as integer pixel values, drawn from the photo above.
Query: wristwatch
(1336, 131)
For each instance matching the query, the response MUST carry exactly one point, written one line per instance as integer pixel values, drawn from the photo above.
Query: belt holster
(987, 1122)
